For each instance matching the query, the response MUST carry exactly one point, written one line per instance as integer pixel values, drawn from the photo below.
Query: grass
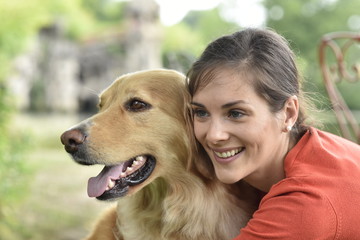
(57, 205)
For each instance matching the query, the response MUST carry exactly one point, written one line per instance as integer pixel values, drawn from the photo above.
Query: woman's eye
(235, 114)
(136, 105)
(200, 113)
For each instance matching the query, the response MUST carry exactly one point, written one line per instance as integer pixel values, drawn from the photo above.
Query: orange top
(319, 197)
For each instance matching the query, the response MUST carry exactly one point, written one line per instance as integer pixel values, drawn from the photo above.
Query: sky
(248, 13)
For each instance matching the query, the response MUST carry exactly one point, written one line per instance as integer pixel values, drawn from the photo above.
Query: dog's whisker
(92, 91)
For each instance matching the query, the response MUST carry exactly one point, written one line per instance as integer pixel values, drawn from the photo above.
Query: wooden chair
(339, 43)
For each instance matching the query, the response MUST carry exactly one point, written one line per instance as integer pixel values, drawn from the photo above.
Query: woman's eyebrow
(197, 104)
(230, 104)
(227, 105)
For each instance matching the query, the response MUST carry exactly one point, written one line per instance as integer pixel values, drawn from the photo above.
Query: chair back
(340, 45)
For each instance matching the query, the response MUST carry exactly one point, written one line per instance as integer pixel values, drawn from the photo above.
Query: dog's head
(140, 133)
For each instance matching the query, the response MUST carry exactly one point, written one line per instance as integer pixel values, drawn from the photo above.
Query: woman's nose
(217, 132)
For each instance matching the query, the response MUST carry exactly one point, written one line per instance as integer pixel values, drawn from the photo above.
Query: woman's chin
(227, 177)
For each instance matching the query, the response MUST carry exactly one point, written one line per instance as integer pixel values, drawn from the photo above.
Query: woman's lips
(228, 155)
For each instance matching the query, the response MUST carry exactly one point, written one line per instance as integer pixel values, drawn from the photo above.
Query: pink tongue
(97, 185)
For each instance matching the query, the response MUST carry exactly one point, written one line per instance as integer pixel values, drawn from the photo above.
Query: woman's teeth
(136, 164)
(227, 153)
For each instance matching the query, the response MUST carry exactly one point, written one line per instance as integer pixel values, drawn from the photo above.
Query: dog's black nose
(72, 139)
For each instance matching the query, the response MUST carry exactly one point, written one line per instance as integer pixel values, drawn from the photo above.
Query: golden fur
(175, 202)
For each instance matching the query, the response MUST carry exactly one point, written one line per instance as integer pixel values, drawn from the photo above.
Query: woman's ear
(291, 110)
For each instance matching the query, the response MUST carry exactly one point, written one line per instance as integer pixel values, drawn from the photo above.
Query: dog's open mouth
(114, 181)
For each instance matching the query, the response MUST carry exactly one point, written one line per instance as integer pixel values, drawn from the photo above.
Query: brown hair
(262, 53)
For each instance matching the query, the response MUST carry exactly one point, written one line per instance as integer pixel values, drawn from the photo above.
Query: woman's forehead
(225, 87)
(223, 76)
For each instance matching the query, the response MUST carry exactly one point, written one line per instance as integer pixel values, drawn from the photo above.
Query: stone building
(63, 76)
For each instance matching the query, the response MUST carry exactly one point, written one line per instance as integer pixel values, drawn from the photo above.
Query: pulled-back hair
(263, 54)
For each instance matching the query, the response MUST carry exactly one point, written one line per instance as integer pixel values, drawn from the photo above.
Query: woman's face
(236, 128)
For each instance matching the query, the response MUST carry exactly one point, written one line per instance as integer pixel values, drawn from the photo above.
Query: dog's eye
(136, 105)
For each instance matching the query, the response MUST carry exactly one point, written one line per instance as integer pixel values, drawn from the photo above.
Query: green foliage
(71, 14)
(4, 142)
(13, 170)
(178, 46)
(105, 10)
(185, 41)
(18, 20)
(21, 20)
(181, 38)
(209, 24)
(350, 92)
(303, 23)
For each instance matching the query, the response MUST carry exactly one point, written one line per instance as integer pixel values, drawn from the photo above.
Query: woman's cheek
(199, 131)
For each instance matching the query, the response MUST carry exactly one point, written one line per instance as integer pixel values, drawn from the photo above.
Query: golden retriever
(143, 136)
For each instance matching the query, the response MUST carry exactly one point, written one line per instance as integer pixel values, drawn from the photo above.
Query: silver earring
(288, 128)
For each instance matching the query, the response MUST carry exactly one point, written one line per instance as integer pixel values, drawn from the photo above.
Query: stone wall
(57, 74)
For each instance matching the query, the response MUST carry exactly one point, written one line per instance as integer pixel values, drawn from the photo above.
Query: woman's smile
(225, 156)
(240, 134)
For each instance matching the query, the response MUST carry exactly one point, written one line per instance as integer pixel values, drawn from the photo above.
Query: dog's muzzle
(72, 139)
(114, 181)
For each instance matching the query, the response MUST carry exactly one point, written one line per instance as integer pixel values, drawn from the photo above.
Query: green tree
(186, 40)
(304, 22)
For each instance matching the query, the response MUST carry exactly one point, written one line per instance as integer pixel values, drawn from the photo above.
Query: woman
(249, 125)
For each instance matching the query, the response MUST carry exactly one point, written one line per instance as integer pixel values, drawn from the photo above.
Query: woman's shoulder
(309, 208)
(319, 151)
(322, 140)
(333, 138)
(292, 209)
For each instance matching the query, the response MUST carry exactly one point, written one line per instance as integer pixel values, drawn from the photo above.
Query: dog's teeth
(135, 163)
(140, 158)
(111, 184)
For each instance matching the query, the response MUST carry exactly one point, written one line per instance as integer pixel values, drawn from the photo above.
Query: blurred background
(57, 56)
